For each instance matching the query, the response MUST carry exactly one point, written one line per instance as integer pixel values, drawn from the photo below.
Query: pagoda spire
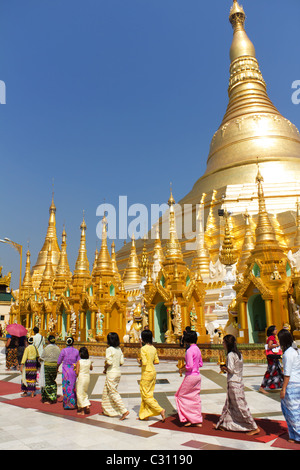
(173, 249)
(132, 274)
(104, 264)
(265, 232)
(201, 259)
(82, 264)
(248, 243)
(63, 268)
(228, 255)
(51, 239)
(27, 281)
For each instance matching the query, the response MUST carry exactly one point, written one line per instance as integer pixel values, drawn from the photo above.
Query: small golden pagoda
(263, 289)
(175, 298)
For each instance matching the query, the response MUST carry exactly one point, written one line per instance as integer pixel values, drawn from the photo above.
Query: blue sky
(119, 97)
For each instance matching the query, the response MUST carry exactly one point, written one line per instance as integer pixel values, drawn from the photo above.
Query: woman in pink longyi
(187, 397)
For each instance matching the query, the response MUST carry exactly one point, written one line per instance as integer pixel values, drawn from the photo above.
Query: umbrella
(16, 330)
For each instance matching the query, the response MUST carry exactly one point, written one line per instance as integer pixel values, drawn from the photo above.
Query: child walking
(83, 368)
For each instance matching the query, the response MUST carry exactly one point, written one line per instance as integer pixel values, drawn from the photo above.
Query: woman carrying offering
(187, 397)
(236, 415)
(273, 377)
(29, 368)
(148, 357)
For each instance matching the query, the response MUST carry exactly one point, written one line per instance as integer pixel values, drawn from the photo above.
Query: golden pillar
(244, 333)
(269, 314)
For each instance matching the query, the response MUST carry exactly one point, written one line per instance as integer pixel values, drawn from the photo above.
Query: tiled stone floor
(30, 429)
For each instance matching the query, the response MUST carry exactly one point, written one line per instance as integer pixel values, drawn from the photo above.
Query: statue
(295, 314)
(176, 318)
(90, 337)
(193, 319)
(73, 323)
(99, 323)
(136, 326)
(51, 323)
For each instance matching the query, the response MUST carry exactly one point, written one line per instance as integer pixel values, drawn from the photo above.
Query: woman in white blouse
(290, 393)
(112, 404)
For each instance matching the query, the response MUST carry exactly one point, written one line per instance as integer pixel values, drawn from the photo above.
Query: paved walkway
(27, 428)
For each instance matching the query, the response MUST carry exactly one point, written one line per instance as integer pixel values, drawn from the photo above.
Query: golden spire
(114, 264)
(82, 266)
(27, 281)
(63, 268)
(264, 232)
(201, 259)
(173, 249)
(51, 239)
(95, 261)
(132, 272)
(228, 254)
(48, 273)
(241, 44)
(144, 260)
(248, 244)
(158, 253)
(104, 264)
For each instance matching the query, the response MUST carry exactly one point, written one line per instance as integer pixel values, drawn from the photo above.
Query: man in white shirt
(38, 340)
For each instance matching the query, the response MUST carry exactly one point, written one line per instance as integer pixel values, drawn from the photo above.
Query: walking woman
(290, 393)
(148, 357)
(68, 358)
(29, 368)
(112, 403)
(236, 415)
(49, 357)
(83, 368)
(187, 397)
(12, 352)
(273, 378)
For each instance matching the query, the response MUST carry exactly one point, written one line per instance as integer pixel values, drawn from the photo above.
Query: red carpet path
(7, 388)
(269, 430)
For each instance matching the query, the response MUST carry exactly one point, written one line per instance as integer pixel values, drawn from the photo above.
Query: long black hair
(147, 336)
(231, 345)
(113, 339)
(285, 339)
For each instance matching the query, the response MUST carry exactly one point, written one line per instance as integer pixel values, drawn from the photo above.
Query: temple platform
(24, 425)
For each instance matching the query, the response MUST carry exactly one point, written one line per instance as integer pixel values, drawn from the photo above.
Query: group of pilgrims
(283, 373)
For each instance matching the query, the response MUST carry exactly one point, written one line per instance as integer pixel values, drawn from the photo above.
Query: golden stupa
(252, 132)
(245, 239)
